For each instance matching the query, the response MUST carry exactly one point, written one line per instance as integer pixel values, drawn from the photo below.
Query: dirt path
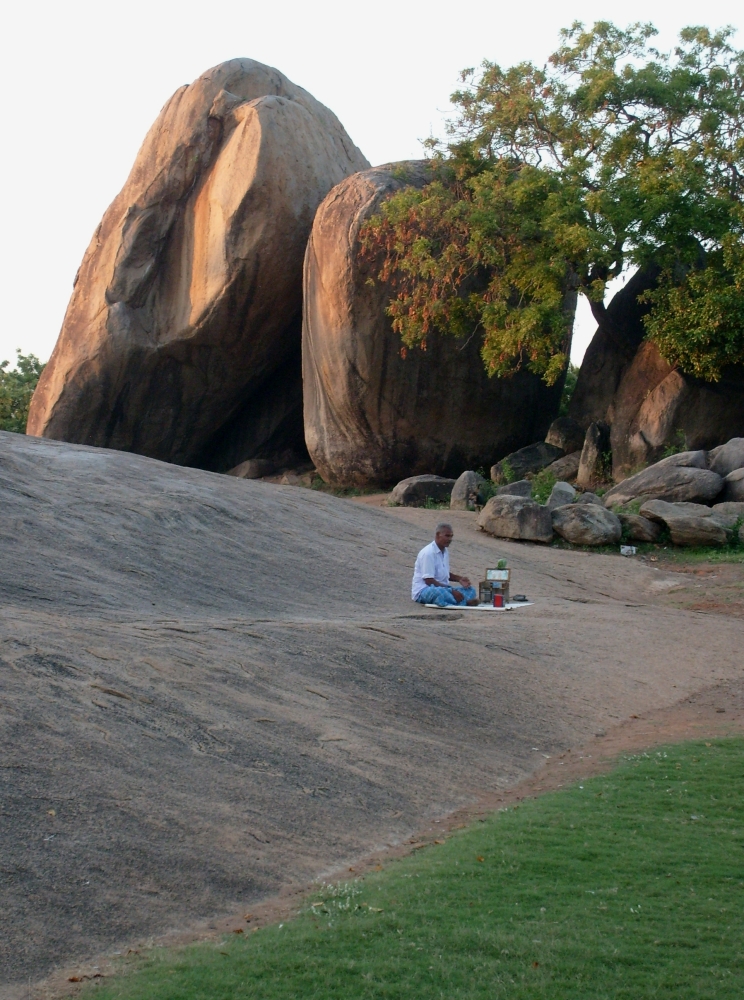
(212, 691)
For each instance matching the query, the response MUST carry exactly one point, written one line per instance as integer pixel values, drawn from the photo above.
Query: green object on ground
(628, 885)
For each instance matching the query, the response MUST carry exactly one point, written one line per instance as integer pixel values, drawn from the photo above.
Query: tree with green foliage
(557, 179)
(16, 389)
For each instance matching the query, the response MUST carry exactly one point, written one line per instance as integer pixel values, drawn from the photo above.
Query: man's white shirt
(431, 562)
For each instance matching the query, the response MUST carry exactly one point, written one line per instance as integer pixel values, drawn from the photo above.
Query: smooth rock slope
(212, 687)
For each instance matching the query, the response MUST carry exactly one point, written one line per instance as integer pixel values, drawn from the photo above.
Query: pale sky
(82, 82)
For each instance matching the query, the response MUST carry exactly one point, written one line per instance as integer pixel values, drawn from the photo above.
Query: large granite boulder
(375, 412)
(566, 468)
(656, 405)
(525, 461)
(727, 457)
(416, 490)
(521, 488)
(681, 477)
(467, 491)
(516, 517)
(587, 524)
(182, 337)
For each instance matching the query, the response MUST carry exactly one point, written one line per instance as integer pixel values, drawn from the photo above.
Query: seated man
(431, 574)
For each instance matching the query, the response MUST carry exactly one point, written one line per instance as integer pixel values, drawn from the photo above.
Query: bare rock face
(591, 462)
(516, 517)
(682, 477)
(587, 524)
(566, 468)
(374, 412)
(182, 337)
(521, 488)
(560, 495)
(689, 523)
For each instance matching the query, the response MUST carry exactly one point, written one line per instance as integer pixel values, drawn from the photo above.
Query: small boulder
(415, 491)
(516, 517)
(677, 478)
(560, 495)
(688, 523)
(533, 458)
(729, 512)
(733, 487)
(254, 468)
(691, 530)
(522, 488)
(596, 445)
(639, 529)
(727, 457)
(467, 491)
(589, 497)
(587, 524)
(565, 468)
(565, 433)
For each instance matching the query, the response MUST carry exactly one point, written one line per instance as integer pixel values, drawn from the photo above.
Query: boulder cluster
(224, 316)
(696, 497)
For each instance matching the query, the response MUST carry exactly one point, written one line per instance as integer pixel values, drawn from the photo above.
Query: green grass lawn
(630, 885)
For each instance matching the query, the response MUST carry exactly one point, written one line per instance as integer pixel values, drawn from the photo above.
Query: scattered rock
(532, 458)
(561, 494)
(374, 410)
(414, 491)
(467, 491)
(522, 488)
(587, 524)
(638, 528)
(588, 497)
(565, 433)
(565, 468)
(254, 468)
(596, 445)
(733, 486)
(661, 510)
(516, 517)
(677, 478)
(186, 307)
(727, 457)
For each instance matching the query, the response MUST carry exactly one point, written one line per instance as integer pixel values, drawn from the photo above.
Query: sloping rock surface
(566, 468)
(221, 688)
(516, 517)
(690, 523)
(680, 477)
(727, 457)
(733, 486)
(373, 411)
(182, 337)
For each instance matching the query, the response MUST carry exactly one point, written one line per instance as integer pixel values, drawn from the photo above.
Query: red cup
(498, 600)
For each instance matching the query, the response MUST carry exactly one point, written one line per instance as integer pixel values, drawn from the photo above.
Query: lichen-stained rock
(587, 524)
(186, 307)
(516, 517)
(373, 411)
(681, 477)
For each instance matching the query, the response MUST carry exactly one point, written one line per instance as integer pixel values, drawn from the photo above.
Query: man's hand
(460, 579)
(458, 595)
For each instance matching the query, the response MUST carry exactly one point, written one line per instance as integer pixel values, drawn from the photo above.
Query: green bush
(16, 389)
(542, 485)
